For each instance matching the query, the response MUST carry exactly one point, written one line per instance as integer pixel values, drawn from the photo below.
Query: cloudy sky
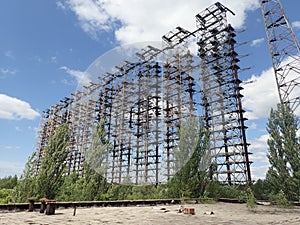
(46, 47)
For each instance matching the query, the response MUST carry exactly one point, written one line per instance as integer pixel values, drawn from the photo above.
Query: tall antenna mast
(284, 49)
(222, 98)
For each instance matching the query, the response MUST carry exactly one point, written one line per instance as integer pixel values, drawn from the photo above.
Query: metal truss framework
(221, 96)
(144, 103)
(284, 49)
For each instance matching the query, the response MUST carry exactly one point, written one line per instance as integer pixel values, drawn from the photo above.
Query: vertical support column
(221, 96)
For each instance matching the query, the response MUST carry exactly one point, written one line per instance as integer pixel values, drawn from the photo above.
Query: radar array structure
(284, 49)
(143, 104)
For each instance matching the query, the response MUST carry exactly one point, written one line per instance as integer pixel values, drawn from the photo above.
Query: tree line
(192, 180)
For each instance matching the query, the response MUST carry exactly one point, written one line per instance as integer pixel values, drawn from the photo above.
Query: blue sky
(45, 47)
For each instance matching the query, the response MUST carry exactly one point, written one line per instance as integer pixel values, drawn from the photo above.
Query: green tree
(8, 182)
(50, 176)
(261, 189)
(283, 152)
(6, 188)
(70, 190)
(26, 185)
(5, 196)
(193, 177)
(97, 155)
(92, 185)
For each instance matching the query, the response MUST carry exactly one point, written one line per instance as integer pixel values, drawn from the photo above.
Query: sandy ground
(223, 213)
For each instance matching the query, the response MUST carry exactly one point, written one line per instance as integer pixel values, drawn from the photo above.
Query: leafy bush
(261, 189)
(216, 191)
(251, 201)
(280, 199)
(5, 196)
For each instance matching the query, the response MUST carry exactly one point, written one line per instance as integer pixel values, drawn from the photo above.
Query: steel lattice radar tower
(146, 102)
(284, 49)
(221, 96)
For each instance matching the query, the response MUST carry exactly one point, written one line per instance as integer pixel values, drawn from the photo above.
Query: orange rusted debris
(189, 211)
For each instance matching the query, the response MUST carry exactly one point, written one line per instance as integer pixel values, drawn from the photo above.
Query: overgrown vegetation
(284, 172)
(282, 183)
(7, 184)
(251, 200)
(50, 177)
(192, 180)
(193, 176)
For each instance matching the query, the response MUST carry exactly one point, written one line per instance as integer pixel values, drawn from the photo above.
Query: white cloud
(53, 59)
(69, 82)
(259, 172)
(59, 4)
(259, 145)
(10, 168)
(6, 72)
(134, 21)
(257, 42)
(9, 54)
(82, 78)
(15, 109)
(9, 147)
(261, 95)
(296, 24)
(259, 148)
(260, 157)
(36, 59)
(91, 14)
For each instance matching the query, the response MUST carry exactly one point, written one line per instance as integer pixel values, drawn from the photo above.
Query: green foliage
(251, 200)
(26, 185)
(283, 154)
(51, 181)
(280, 199)
(191, 179)
(216, 191)
(90, 187)
(70, 190)
(6, 189)
(205, 199)
(211, 190)
(261, 189)
(30, 167)
(8, 182)
(119, 192)
(97, 155)
(94, 185)
(49, 178)
(5, 196)
(25, 189)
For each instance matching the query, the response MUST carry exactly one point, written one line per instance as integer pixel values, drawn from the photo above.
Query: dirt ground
(219, 213)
